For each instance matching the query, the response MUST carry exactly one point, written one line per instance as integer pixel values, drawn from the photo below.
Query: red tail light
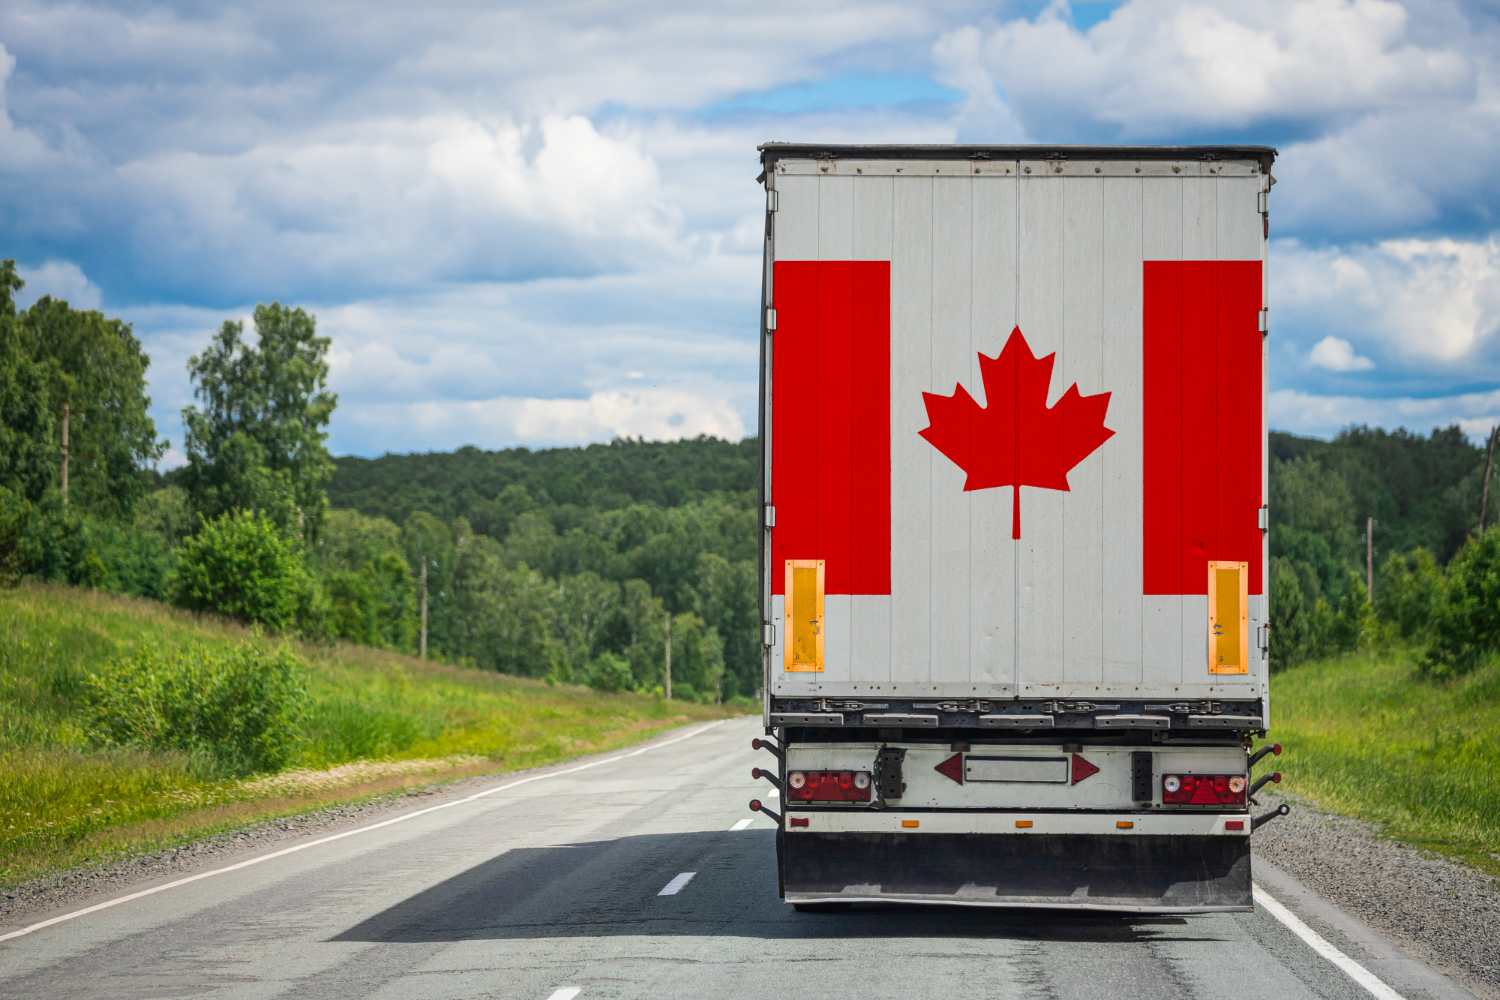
(828, 786)
(1203, 789)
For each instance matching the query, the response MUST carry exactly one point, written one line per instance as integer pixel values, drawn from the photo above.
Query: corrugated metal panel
(1057, 248)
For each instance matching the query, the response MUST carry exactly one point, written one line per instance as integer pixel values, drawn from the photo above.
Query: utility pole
(1484, 495)
(1370, 559)
(65, 456)
(422, 642)
(669, 656)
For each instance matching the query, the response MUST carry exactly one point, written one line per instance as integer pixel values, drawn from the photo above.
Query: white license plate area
(1023, 769)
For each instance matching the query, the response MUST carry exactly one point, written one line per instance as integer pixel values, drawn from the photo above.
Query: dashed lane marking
(673, 887)
(565, 993)
(349, 833)
(1319, 944)
(741, 824)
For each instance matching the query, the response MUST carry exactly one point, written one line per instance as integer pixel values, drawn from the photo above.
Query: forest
(576, 564)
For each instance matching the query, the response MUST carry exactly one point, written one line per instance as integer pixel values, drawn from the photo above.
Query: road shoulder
(1430, 910)
(59, 892)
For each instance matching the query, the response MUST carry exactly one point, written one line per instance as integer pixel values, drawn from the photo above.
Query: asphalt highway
(623, 877)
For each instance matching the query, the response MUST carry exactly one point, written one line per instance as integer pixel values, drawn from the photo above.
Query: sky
(539, 224)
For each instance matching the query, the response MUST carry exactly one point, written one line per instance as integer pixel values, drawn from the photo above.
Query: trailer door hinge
(771, 200)
(1265, 320)
(769, 636)
(770, 320)
(1263, 637)
(1263, 203)
(1263, 520)
(770, 515)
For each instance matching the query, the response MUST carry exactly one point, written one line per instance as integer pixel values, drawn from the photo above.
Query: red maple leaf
(1016, 440)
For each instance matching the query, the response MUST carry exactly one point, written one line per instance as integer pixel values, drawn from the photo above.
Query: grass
(1369, 736)
(378, 722)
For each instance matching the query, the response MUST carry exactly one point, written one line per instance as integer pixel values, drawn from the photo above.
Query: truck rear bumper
(1121, 871)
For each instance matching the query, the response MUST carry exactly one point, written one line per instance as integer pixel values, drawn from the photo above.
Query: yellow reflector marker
(911, 822)
(1124, 824)
(1228, 617)
(804, 614)
(1023, 824)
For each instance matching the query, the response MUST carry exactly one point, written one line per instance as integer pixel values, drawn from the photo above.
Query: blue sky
(537, 224)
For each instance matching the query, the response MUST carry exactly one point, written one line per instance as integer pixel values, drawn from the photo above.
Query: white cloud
(61, 279)
(1153, 67)
(1337, 355)
(654, 414)
(1434, 301)
(1323, 416)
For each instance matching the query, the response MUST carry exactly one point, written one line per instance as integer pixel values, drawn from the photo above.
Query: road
(555, 885)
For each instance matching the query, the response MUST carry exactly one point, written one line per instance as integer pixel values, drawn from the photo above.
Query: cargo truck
(1013, 506)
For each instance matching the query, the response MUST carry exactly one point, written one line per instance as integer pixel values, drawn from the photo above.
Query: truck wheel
(822, 907)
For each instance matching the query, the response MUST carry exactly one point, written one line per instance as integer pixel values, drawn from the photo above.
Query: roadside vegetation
(1377, 736)
(127, 724)
(184, 653)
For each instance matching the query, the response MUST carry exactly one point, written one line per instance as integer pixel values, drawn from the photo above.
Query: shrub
(240, 707)
(1466, 619)
(240, 565)
(1354, 625)
(1406, 591)
(610, 673)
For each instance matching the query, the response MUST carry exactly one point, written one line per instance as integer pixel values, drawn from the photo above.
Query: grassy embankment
(377, 722)
(1369, 736)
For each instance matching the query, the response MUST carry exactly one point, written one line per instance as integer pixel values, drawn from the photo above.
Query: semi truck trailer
(1013, 512)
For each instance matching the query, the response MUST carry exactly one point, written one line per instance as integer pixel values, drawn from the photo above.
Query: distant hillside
(1422, 491)
(604, 476)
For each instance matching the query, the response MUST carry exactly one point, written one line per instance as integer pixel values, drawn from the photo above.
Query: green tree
(27, 452)
(724, 595)
(1407, 589)
(1355, 626)
(427, 541)
(239, 564)
(1466, 623)
(259, 442)
(697, 659)
(97, 366)
(1289, 618)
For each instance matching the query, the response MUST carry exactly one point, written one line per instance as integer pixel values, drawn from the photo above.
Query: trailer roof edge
(770, 152)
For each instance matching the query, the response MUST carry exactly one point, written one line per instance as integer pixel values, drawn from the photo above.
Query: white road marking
(673, 887)
(741, 824)
(1319, 944)
(772, 793)
(566, 993)
(348, 833)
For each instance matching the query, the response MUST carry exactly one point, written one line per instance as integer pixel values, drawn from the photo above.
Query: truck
(1013, 507)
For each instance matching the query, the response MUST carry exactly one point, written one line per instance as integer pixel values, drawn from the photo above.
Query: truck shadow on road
(610, 888)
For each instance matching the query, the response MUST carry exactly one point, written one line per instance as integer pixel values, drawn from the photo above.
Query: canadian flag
(1128, 470)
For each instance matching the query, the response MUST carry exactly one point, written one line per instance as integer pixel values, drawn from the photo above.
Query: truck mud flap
(1132, 874)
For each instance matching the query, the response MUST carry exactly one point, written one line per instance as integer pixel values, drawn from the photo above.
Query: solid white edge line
(741, 824)
(1319, 944)
(349, 833)
(565, 993)
(675, 886)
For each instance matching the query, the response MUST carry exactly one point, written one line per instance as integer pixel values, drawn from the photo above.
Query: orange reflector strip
(1124, 824)
(1023, 824)
(911, 822)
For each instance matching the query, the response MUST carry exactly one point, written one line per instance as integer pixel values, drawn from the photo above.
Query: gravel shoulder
(1445, 913)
